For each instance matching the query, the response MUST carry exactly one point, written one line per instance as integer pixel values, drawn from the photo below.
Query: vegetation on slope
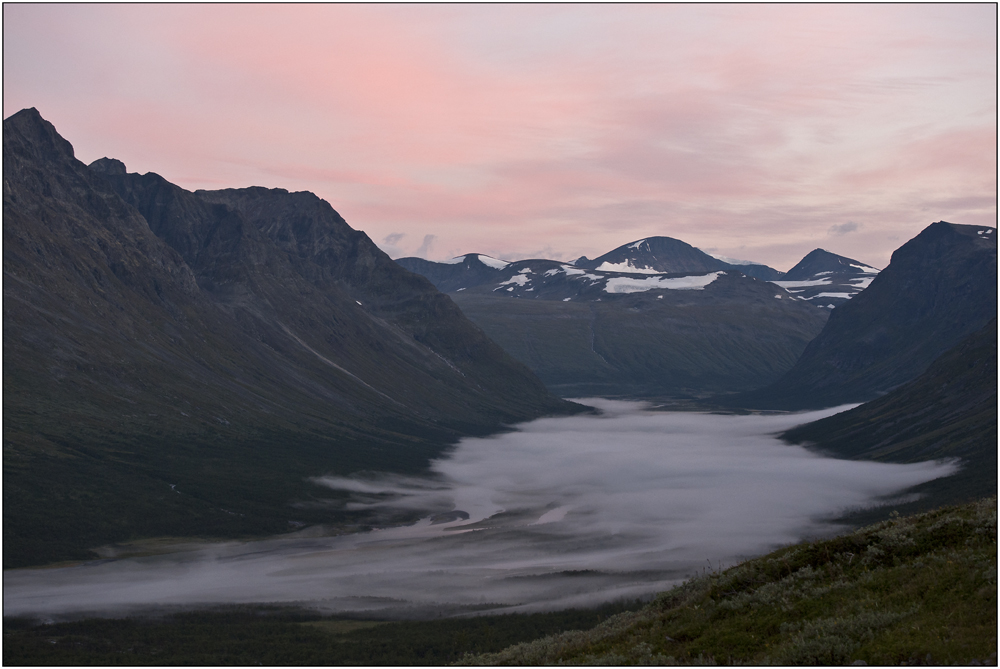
(914, 590)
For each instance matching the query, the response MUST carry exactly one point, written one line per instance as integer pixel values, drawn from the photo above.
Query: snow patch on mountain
(626, 267)
(731, 261)
(626, 284)
(492, 262)
(519, 279)
(803, 284)
(845, 296)
(865, 269)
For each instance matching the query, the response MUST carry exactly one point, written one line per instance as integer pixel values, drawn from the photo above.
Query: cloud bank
(561, 512)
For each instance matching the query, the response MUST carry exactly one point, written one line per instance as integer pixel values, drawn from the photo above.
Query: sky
(555, 514)
(757, 132)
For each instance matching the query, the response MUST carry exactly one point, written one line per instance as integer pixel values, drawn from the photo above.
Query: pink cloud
(511, 128)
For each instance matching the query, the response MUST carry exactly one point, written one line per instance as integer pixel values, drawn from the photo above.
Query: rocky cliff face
(230, 344)
(939, 287)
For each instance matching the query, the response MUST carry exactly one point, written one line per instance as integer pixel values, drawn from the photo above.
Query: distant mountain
(939, 287)
(600, 331)
(948, 411)
(729, 342)
(827, 279)
(822, 277)
(665, 255)
(181, 363)
(586, 332)
(751, 268)
(654, 317)
(472, 269)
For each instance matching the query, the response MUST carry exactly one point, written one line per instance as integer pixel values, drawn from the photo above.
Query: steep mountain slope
(181, 363)
(939, 287)
(827, 279)
(948, 411)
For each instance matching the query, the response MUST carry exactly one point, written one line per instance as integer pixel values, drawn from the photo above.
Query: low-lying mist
(561, 512)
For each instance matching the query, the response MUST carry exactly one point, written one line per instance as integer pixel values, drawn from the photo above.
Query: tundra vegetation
(913, 590)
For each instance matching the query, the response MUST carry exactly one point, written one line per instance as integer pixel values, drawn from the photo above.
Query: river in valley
(560, 512)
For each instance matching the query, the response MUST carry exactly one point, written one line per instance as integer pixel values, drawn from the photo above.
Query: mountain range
(184, 363)
(179, 363)
(653, 317)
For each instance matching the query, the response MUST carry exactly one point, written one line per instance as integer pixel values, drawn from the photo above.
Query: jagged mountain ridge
(939, 287)
(170, 341)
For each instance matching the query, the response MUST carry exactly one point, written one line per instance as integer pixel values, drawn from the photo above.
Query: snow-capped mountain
(827, 279)
(590, 327)
(658, 255)
(471, 269)
(822, 279)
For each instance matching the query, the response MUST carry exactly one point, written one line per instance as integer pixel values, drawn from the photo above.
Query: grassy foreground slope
(915, 590)
(895, 592)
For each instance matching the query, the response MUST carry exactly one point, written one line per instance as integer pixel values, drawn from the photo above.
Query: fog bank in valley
(561, 512)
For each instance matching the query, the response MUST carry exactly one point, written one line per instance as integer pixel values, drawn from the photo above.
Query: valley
(233, 398)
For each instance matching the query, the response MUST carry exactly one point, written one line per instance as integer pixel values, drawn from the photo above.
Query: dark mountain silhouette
(949, 411)
(180, 363)
(940, 287)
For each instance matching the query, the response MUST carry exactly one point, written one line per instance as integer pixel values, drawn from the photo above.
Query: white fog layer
(561, 512)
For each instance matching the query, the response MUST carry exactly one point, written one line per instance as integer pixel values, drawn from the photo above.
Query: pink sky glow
(752, 131)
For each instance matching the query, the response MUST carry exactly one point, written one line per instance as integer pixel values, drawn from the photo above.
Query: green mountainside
(180, 363)
(914, 590)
